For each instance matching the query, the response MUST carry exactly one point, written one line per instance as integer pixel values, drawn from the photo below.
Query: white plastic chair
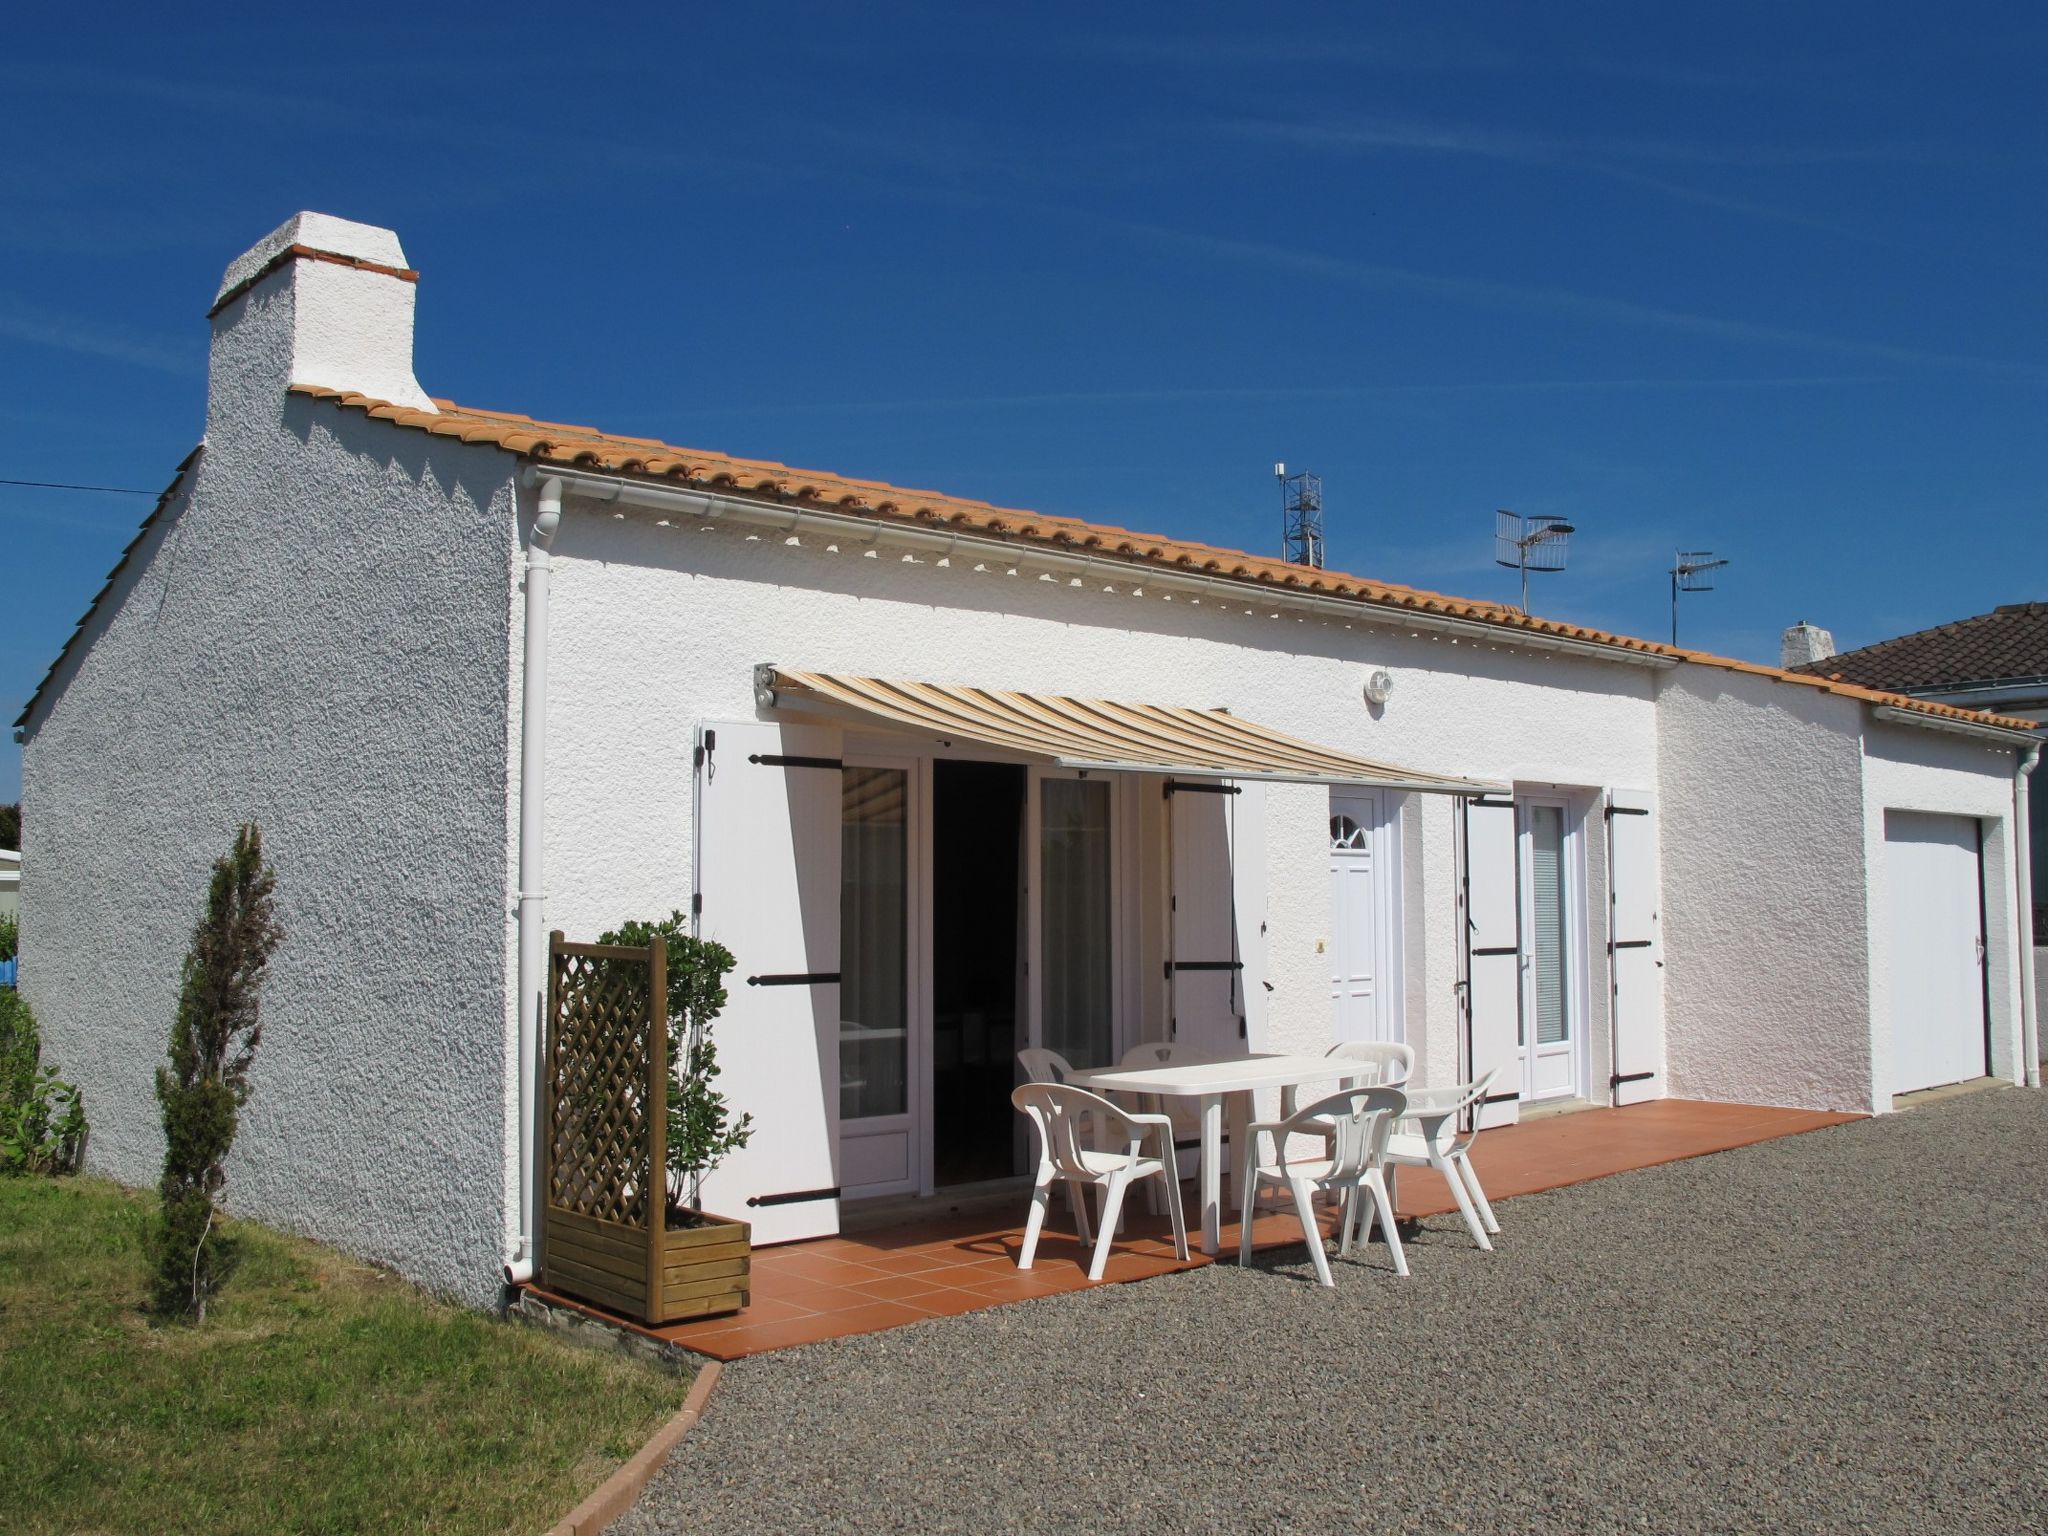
(1043, 1066)
(1436, 1142)
(1057, 1112)
(1357, 1122)
(1382, 1064)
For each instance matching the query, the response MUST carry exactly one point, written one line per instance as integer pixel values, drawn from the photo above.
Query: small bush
(42, 1117)
(213, 1043)
(10, 936)
(701, 1130)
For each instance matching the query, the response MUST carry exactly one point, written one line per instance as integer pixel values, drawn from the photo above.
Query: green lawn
(321, 1394)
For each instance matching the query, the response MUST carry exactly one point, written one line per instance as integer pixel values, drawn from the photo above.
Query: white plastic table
(1212, 1082)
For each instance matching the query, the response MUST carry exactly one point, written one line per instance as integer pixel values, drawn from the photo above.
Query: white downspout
(533, 939)
(2023, 843)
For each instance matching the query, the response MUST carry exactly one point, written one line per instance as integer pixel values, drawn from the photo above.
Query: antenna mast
(1691, 571)
(1528, 544)
(1301, 517)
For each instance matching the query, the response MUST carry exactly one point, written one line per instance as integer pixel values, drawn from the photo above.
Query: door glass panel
(874, 1038)
(1547, 941)
(1074, 913)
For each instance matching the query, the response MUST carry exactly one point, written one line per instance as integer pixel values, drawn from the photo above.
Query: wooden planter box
(668, 1275)
(605, 1237)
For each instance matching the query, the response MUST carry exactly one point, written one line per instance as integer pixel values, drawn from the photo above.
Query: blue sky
(1765, 279)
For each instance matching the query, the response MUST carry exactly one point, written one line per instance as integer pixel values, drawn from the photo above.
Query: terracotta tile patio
(868, 1281)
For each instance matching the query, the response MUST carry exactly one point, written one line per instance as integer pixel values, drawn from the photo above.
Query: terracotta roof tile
(549, 442)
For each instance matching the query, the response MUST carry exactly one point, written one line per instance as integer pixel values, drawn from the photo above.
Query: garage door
(1934, 951)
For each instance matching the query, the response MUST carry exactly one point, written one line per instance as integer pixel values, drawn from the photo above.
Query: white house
(479, 677)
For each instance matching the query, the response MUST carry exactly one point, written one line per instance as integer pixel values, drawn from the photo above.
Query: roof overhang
(1987, 730)
(1094, 735)
(947, 545)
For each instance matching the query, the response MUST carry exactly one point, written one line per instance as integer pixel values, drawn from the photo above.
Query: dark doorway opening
(977, 967)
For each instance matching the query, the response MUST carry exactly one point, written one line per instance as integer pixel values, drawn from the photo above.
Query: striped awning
(1096, 733)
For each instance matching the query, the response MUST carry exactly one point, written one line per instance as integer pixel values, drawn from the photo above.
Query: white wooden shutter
(1247, 827)
(1217, 951)
(1635, 946)
(768, 848)
(1493, 955)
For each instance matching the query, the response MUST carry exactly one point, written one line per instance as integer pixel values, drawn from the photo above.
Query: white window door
(1934, 950)
(768, 889)
(1216, 962)
(881, 991)
(1551, 981)
(1364, 990)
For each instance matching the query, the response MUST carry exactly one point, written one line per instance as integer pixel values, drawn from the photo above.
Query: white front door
(1934, 950)
(1363, 991)
(1551, 971)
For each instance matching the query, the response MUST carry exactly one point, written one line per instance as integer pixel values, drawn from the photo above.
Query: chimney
(318, 300)
(1803, 643)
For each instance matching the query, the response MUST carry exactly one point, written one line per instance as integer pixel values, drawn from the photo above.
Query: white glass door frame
(1124, 1004)
(909, 1127)
(1539, 1063)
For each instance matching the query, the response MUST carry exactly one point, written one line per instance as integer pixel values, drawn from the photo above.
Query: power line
(61, 485)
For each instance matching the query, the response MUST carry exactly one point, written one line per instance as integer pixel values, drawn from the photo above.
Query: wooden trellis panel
(604, 1124)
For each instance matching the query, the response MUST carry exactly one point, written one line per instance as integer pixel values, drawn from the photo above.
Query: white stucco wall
(656, 627)
(1765, 923)
(1909, 769)
(316, 640)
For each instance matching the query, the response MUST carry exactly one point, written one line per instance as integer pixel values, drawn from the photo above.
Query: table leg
(1212, 1172)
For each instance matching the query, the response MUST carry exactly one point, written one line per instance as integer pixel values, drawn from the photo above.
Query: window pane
(1546, 855)
(874, 1038)
(1075, 917)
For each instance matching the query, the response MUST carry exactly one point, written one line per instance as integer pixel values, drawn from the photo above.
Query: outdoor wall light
(1379, 687)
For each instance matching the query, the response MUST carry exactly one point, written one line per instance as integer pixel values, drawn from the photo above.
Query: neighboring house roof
(646, 458)
(2008, 644)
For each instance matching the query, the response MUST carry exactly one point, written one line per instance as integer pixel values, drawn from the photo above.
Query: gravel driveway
(1840, 1331)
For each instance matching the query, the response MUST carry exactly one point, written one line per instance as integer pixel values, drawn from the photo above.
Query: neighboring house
(1994, 661)
(479, 676)
(10, 882)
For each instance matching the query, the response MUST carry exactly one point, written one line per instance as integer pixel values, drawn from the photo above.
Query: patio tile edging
(615, 1495)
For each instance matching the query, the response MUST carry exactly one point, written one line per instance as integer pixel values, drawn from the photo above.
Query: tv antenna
(1692, 570)
(1301, 517)
(1530, 544)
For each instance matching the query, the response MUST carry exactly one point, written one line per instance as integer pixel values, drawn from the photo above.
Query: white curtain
(1074, 852)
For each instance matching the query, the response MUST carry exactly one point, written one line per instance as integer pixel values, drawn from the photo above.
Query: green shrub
(701, 1130)
(42, 1117)
(213, 1043)
(10, 936)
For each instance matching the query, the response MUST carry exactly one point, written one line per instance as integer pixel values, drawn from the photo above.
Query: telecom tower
(1301, 517)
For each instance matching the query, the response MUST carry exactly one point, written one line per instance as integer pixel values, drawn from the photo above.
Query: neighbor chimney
(1803, 643)
(319, 300)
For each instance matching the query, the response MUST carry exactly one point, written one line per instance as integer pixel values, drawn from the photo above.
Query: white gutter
(1033, 559)
(533, 941)
(2005, 734)
(2023, 845)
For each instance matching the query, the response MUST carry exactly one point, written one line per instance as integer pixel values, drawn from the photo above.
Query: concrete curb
(617, 1493)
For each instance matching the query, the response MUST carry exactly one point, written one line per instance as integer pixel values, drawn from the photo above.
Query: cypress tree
(202, 1090)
